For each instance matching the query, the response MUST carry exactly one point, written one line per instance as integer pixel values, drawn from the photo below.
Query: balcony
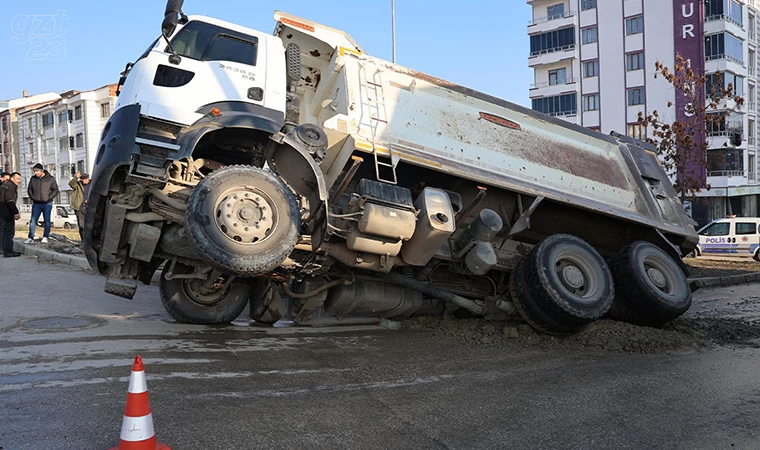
(552, 55)
(724, 17)
(726, 57)
(565, 15)
(728, 178)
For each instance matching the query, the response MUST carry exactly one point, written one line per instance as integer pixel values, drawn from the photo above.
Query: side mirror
(169, 25)
(173, 7)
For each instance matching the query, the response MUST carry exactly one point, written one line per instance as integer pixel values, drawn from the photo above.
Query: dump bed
(364, 101)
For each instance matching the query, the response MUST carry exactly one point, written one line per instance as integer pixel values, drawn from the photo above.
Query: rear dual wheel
(651, 288)
(562, 285)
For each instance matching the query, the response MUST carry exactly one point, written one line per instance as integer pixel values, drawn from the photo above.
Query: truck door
(715, 239)
(746, 238)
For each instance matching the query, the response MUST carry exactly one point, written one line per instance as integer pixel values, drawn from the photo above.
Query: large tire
(242, 220)
(548, 291)
(184, 302)
(651, 289)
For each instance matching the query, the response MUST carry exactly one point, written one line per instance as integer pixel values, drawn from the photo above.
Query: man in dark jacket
(9, 214)
(43, 189)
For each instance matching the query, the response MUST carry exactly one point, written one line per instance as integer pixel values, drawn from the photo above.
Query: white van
(62, 216)
(739, 236)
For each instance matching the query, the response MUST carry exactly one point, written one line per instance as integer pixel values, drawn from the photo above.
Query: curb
(732, 280)
(49, 255)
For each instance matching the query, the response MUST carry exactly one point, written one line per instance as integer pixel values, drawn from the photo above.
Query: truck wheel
(267, 306)
(242, 220)
(66, 226)
(186, 300)
(562, 285)
(651, 289)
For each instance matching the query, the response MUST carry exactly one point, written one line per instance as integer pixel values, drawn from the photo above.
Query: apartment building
(9, 138)
(63, 135)
(594, 64)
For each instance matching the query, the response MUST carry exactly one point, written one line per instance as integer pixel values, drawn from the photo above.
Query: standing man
(43, 189)
(81, 190)
(5, 176)
(9, 214)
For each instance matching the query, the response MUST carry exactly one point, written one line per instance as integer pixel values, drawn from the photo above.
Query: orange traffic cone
(137, 427)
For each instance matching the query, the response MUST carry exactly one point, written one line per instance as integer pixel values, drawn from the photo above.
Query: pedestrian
(9, 213)
(81, 190)
(43, 189)
(4, 176)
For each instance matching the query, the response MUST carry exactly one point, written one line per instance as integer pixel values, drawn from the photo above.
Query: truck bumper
(115, 151)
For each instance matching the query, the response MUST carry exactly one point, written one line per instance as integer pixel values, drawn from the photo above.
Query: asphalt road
(66, 350)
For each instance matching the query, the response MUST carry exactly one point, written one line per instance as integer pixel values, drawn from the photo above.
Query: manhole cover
(57, 323)
(52, 324)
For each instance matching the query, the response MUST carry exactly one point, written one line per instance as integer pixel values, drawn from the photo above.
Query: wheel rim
(660, 275)
(202, 296)
(246, 215)
(577, 276)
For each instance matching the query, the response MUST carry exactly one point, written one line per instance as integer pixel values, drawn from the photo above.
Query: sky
(53, 46)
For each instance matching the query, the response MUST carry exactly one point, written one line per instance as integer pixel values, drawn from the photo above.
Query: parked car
(739, 237)
(62, 216)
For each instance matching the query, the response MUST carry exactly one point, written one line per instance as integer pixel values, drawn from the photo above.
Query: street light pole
(393, 28)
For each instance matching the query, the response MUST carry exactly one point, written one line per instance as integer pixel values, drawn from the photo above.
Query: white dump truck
(296, 172)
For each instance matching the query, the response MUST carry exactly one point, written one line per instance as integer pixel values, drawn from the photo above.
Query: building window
(729, 79)
(78, 113)
(588, 4)
(105, 110)
(634, 25)
(62, 117)
(591, 102)
(597, 129)
(47, 120)
(557, 76)
(552, 41)
(62, 145)
(71, 142)
(724, 46)
(634, 61)
(80, 140)
(71, 116)
(560, 105)
(591, 68)
(29, 125)
(730, 10)
(80, 166)
(555, 11)
(50, 169)
(637, 131)
(636, 96)
(589, 35)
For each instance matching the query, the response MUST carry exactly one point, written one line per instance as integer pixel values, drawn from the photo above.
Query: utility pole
(393, 28)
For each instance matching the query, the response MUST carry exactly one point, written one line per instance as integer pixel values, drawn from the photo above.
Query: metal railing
(556, 83)
(727, 173)
(725, 56)
(725, 17)
(719, 133)
(570, 112)
(552, 50)
(564, 15)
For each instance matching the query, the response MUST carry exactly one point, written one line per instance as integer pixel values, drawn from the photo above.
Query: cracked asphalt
(66, 350)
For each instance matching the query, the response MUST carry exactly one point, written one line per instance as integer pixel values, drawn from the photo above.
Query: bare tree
(683, 144)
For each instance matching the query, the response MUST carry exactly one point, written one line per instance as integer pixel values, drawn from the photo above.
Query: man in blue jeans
(43, 189)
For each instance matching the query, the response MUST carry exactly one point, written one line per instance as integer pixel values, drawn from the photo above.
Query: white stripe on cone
(137, 383)
(135, 429)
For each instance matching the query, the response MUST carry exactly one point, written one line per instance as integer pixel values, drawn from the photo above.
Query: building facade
(9, 138)
(63, 135)
(594, 64)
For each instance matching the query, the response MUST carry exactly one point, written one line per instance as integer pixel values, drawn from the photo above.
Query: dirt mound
(683, 334)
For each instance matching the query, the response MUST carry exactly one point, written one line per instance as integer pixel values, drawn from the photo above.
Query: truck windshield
(206, 42)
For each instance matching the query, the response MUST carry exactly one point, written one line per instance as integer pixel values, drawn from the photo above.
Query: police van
(735, 236)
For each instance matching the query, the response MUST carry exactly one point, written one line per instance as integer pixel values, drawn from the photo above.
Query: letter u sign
(690, 11)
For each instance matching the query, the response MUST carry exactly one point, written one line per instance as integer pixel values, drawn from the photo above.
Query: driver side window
(717, 229)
